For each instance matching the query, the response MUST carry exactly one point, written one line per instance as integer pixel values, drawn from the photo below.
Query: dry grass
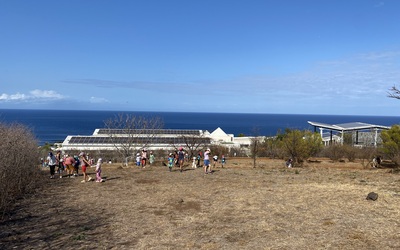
(320, 206)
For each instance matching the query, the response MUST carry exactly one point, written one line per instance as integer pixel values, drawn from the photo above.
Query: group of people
(66, 162)
(178, 159)
(72, 164)
(142, 158)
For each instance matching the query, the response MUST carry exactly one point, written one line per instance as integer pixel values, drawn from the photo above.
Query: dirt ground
(322, 205)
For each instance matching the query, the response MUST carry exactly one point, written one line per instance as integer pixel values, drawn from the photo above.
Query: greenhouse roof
(351, 126)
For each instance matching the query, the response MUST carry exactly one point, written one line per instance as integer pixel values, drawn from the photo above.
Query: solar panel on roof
(134, 140)
(150, 131)
(351, 126)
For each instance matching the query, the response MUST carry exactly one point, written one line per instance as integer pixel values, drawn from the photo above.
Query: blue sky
(236, 56)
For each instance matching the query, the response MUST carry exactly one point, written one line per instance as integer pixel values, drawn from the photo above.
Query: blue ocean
(50, 126)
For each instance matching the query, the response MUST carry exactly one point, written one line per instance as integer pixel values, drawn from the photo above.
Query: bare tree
(193, 143)
(129, 133)
(254, 149)
(394, 93)
(255, 146)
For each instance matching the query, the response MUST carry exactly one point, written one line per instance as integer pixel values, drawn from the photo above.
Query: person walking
(144, 158)
(69, 164)
(194, 165)
(152, 158)
(215, 161)
(138, 160)
(98, 170)
(198, 159)
(207, 161)
(76, 165)
(84, 165)
(181, 158)
(60, 163)
(170, 161)
(51, 162)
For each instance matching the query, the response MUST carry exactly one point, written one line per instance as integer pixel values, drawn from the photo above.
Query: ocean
(51, 126)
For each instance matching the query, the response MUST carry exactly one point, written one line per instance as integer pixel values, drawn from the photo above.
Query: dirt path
(237, 207)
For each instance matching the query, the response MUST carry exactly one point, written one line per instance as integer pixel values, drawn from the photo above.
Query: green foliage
(391, 143)
(301, 144)
(313, 143)
(348, 138)
(272, 147)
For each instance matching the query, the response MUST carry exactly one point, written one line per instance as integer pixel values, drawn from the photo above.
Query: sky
(232, 56)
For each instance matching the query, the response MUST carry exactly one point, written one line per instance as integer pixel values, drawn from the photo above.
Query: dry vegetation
(18, 173)
(322, 205)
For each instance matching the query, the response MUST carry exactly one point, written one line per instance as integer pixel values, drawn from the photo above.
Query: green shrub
(391, 143)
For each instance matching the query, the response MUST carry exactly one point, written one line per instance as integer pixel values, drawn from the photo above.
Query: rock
(372, 196)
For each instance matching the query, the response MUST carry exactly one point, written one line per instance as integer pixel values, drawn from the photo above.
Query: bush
(301, 145)
(391, 143)
(19, 169)
(334, 152)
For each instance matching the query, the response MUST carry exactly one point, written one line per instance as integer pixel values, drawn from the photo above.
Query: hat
(81, 154)
(99, 160)
(180, 148)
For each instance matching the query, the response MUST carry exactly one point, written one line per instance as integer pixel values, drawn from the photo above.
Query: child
(289, 163)
(181, 158)
(84, 165)
(194, 165)
(98, 170)
(152, 158)
(144, 158)
(76, 165)
(170, 162)
(51, 161)
(138, 159)
(198, 159)
(215, 160)
(223, 161)
(207, 168)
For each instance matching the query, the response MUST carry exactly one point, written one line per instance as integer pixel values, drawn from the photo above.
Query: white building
(105, 139)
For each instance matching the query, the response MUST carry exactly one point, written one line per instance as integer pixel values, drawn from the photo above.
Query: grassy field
(322, 205)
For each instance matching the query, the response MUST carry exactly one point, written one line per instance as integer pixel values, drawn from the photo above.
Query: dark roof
(133, 140)
(149, 131)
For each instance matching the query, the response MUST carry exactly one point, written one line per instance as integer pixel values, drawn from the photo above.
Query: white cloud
(34, 95)
(98, 100)
(46, 94)
(13, 97)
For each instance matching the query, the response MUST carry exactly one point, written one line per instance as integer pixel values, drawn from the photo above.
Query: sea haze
(50, 126)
